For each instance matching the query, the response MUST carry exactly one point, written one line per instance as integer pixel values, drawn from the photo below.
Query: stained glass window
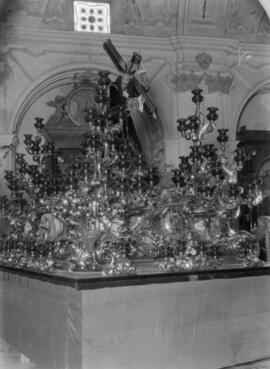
(92, 17)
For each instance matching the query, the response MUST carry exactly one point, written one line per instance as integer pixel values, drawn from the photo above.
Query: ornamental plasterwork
(59, 14)
(244, 20)
(215, 81)
(14, 11)
(247, 21)
(86, 82)
(132, 17)
(54, 14)
(150, 18)
(186, 81)
(203, 60)
(219, 82)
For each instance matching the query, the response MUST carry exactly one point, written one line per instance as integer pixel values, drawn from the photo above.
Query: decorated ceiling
(244, 20)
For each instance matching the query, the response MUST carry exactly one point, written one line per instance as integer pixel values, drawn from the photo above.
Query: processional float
(107, 209)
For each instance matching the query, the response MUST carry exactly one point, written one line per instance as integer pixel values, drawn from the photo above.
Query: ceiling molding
(200, 43)
(47, 82)
(50, 38)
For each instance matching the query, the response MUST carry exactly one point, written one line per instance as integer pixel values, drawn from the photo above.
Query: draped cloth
(206, 324)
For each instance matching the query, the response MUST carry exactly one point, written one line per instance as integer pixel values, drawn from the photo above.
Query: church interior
(135, 184)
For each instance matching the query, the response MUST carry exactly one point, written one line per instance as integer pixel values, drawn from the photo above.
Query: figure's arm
(129, 83)
(134, 63)
(152, 109)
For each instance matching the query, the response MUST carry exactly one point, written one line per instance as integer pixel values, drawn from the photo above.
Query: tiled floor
(12, 359)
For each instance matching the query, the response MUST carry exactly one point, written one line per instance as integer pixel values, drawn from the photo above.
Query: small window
(92, 17)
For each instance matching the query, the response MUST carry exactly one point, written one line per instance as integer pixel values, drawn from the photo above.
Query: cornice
(52, 39)
(257, 49)
(202, 43)
(38, 40)
(218, 44)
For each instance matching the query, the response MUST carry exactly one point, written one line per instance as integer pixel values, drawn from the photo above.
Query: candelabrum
(107, 209)
(210, 196)
(79, 218)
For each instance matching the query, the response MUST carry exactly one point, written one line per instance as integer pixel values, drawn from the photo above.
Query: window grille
(92, 17)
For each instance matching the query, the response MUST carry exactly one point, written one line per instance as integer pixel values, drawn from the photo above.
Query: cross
(129, 69)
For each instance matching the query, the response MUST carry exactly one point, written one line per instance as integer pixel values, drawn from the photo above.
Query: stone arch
(265, 161)
(266, 5)
(56, 78)
(246, 100)
(152, 131)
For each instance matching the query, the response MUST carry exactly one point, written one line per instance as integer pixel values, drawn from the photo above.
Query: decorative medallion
(204, 60)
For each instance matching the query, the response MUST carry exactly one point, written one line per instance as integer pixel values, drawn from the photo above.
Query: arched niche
(253, 133)
(256, 111)
(253, 129)
(43, 99)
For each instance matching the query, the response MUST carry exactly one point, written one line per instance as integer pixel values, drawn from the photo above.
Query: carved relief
(243, 20)
(9, 9)
(56, 14)
(203, 60)
(145, 17)
(67, 124)
(71, 108)
(215, 81)
(13, 11)
(35, 8)
(150, 13)
(186, 81)
(247, 21)
(59, 104)
(59, 14)
(219, 82)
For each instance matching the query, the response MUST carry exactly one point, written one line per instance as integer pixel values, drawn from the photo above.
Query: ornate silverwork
(107, 209)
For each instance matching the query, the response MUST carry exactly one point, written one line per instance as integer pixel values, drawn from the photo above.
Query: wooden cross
(129, 69)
